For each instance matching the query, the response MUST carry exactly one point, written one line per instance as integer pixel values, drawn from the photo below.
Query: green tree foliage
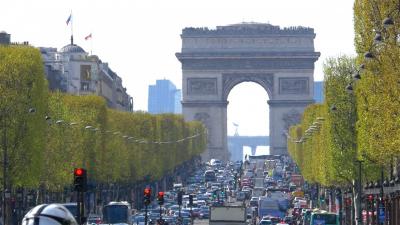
(80, 131)
(23, 102)
(341, 116)
(115, 146)
(364, 125)
(328, 155)
(378, 91)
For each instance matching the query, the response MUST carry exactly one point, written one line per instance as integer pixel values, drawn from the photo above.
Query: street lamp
(359, 188)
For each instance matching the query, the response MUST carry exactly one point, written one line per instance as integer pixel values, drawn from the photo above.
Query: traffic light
(214, 195)
(80, 179)
(147, 196)
(370, 198)
(160, 198)
(180, 197)
(191, 200)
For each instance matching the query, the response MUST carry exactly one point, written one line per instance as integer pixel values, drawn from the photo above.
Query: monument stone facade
(214, 61)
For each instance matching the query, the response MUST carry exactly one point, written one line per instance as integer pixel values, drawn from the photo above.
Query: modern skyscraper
(319, 91)
(164, 98)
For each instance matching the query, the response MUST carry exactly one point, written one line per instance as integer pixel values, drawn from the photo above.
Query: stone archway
(215, 61)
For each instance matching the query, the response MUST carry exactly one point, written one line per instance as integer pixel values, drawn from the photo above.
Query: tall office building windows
(318, 91)
(164, 98)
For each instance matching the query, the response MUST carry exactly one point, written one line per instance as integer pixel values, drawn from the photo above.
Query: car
(204, 214)
(186, 221)
(196, 212)
(289, 220)
(95, 219)
(273, 219)
(265, 222)
(138, 220)
(254, 202)
(183, 214)
(241, 196)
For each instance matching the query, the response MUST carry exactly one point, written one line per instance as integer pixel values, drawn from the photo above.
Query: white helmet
(52, 214)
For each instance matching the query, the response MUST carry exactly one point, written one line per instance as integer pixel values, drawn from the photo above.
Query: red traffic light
(80, 180)
(160, 197)
(147, 191)
(370, 197)
(79, 172)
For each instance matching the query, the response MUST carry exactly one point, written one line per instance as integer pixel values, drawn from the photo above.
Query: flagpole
(91, 43)
(72, 33)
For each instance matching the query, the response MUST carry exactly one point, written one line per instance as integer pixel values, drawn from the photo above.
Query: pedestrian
(49, 214)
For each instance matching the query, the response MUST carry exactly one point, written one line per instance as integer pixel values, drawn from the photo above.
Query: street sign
(381, 215)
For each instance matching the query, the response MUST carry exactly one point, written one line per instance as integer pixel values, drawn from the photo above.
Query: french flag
(88, 37)
(69, 19)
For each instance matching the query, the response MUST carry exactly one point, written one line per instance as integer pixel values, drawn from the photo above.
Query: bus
(324, 218)
(269, 207)
(116, 213)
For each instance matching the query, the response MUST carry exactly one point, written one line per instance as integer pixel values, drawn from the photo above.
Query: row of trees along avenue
(363, 124)
(360, 117)
(45, 135)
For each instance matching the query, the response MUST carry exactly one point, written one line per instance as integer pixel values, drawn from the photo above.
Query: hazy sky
(139, 39)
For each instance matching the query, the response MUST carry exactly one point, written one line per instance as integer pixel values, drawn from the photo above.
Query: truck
(297, 179)
(259, 182)
(227, 215)
(270, 206)
(117, 213)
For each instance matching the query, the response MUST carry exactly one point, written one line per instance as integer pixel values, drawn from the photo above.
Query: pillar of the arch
(214, 116)
(282, 115)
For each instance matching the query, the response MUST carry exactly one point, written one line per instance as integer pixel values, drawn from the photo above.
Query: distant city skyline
(139, 39)
(164, 97)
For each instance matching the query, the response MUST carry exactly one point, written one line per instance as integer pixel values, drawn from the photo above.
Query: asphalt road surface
(201, 222)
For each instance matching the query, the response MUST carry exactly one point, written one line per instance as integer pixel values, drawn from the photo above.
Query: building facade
(74, 71)
(164, 98)
(5, 38)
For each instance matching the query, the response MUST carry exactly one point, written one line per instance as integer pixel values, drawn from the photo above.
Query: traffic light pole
(191, 214)
(78, 202)
(81, 207)
(145, 214)
(160, 214)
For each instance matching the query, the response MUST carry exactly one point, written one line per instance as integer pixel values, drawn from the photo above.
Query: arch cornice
(230, 80)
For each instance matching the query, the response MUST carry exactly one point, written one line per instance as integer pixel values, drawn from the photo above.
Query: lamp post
(359, 190)
(4, 141)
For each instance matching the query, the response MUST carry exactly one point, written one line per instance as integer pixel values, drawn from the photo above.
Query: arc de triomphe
(213, 61)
